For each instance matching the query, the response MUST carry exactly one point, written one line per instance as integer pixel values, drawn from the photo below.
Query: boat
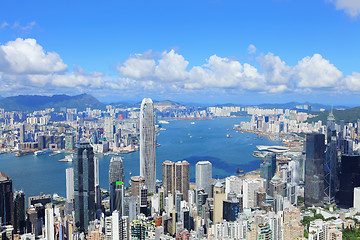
(192, 123)
(42, 152)
(240, 171)
(181, 142)
(68, 158)
(163, 122)
(228, 135)
(22, 153)
(201, 137)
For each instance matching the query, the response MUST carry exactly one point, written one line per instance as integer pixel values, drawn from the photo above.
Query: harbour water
(204, 140)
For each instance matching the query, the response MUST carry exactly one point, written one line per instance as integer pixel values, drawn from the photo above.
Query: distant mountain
(348, 115)
(36, 102)
(138, 104)
(291, 105)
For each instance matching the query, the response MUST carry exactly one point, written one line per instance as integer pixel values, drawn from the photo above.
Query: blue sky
(215, 51)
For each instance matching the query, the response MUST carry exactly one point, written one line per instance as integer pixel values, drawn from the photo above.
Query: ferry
(163, 122)
(42, 152)
(68, 158)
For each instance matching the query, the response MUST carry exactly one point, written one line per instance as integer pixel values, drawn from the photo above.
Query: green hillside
(348, 115)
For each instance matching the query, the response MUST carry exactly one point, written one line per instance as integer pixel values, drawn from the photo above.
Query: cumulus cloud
(137, 67)
(275, 70)
(317, 72)
(26, 56)
(351, 7)
(353, 81)
(273, 76)
(171, 67)
(251, 49)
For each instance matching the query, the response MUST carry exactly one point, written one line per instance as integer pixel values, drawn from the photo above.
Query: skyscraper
(109, 128)
(349, 179)
(204, 176)
(22, 132)
(6, 203)
(19, 212)
(148, 144)
(116, 183)
(314, 169)
(331, 162)
(84, 186)
(69, 184)
(176, 177)
(116, 170)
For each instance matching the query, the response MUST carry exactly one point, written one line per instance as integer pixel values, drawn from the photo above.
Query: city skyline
(222, 51)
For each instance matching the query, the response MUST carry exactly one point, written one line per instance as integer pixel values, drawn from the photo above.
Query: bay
(204, 140)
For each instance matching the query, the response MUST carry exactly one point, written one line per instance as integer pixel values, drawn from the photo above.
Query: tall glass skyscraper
(84, 186)
(148, 144)
(6, 203)
(116, 183)
(349, 179)
(204, 176)
(331, 162)
(314, 169)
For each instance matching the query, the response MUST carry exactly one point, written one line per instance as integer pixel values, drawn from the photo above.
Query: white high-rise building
(69, 184)
(148, 144)
(250, 186)
(233, 184)
(204, 176)
(357, 199)
(49, 223)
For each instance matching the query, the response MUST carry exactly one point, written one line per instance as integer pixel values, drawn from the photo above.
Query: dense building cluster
(314, 194)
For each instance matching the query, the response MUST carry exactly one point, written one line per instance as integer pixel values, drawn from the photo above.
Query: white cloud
(25, 27)
(353, 81)
(171, 67)
(137, 67)
(316, 72)
(4, 25)
(274, 76)
(25, 56)
(275, 70)
(351, 7)
(251, 49)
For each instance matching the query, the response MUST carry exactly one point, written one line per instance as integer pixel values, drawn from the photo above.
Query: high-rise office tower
(331, 162)
(148, 144)
(176, 177)
(349, 179)
(69, 184)
(97, 183)
(268, 169)
(136, 183)
(116, 170)
(117, 197)
(219, 197)
(314, 169)
(22, 132)
(19, 212)
(84, 186)
(204, 176)
(49, 223)
(6, 203)
(69, 143)
(109, 128)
